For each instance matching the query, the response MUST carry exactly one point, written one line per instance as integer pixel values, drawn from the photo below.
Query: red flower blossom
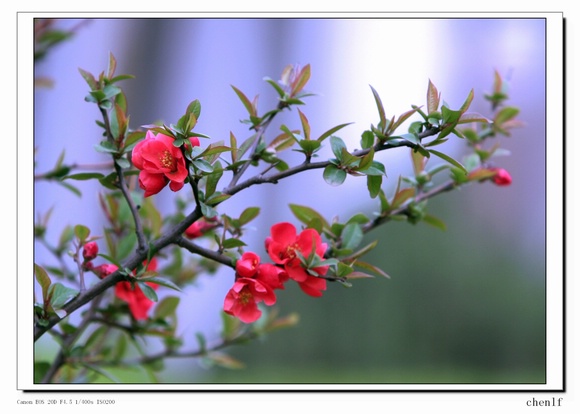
(247, 265)
(313, 286)
(160, 163)
(271, 275)
(285, 243)
(139, 304)
(242, 299)
(502, 177)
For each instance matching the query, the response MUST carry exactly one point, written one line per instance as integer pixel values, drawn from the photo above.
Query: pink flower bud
(198, 229)
(502, 177)
(90, 251)
(104, 270)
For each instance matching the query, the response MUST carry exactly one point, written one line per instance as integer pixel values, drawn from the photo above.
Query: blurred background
(463, 306)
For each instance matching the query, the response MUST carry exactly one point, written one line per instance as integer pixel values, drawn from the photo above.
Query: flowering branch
(172, 156)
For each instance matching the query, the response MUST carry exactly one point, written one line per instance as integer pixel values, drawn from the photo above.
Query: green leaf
(401, 196)
(248, 215)
(194, 108)
(333, 175)
(473, 117)
(309, 146)
(374, 183)
(232, 243)
(207, 211)
(111, 91)
(358, 218)
(301, 80)
(202, 165)
(246, 145)
(331, 131)
(81, 232)
(375, 168)
(106, 147)
(83, 176)
(159, 281)
(371, 268)
(123, 163)
(224, 360)
(380, 108)
(213, 179)
(89, 78)
(275, 85)
(245, 101)
(367, 139)
(305, 124)
(43, 280)
(448, 159)
(467, 102)
(342, 270)
(337, 145)
(402, 118)
(214, 149)
(366, 160)
(505, 114)
(60, 295)
(435, 222)
(148, 291)
(352, 236)
(307, 214)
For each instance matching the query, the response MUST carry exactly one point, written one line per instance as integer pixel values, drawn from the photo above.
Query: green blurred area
(462, 306)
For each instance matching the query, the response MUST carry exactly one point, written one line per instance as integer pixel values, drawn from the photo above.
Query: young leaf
(301, 80)
(433, 98)
(247, 104)
(332, 131)
(380, 108)
(43, 280)
(305, 125)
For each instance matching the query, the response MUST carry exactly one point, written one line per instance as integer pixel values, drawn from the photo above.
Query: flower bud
(90, 251)
(502, 177)
(105, 270)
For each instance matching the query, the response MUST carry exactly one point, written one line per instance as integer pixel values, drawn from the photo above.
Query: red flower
(242, 299)
(198, 229)
(160, 163)
(247, 265)
(283, 246)
(313, 286)
(271, 275)
(502, 177)
(90, 251)
(139, 304)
